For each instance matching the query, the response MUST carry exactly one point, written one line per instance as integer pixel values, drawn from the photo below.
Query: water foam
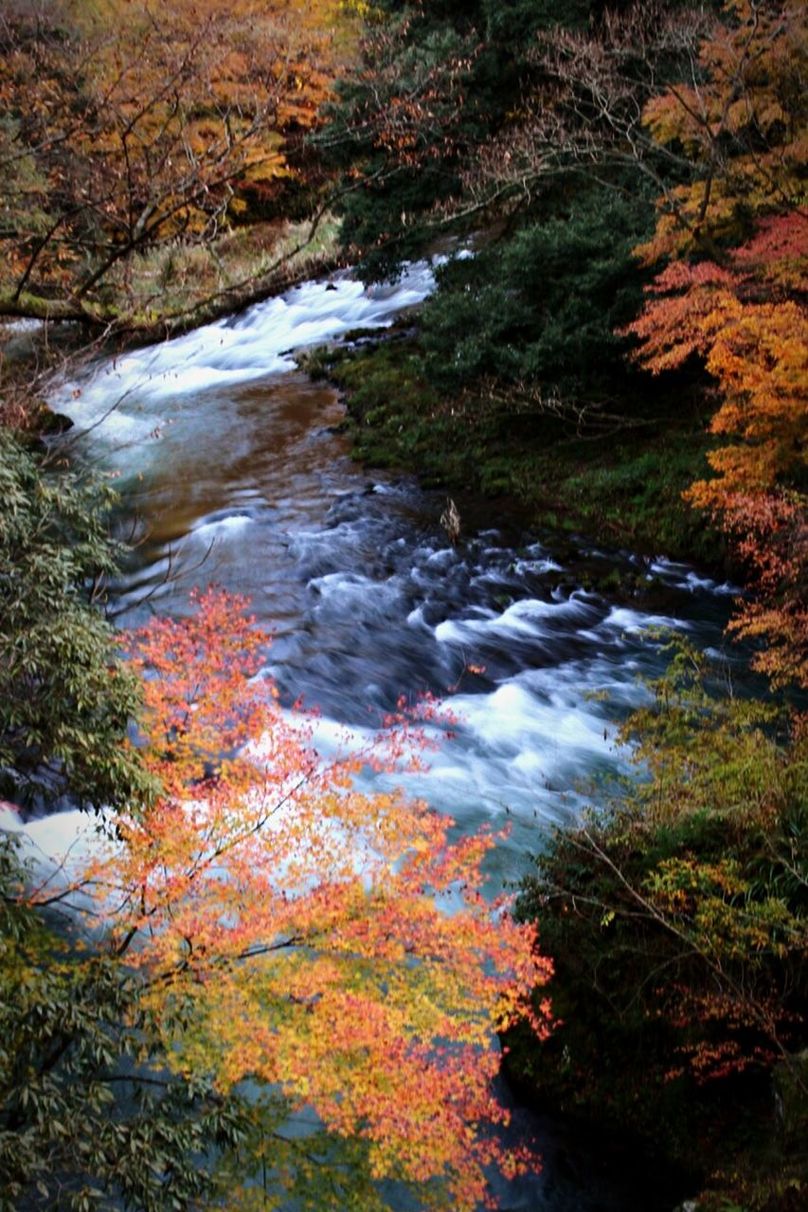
(130, 395)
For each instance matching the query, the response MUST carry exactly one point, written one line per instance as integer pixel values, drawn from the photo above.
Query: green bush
(677, 917)
(65, 699)
(89, 1115)
(543, 306)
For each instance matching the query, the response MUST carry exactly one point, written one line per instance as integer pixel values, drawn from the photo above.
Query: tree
(586, 74)
(86, 1112)
(745, 320)
(136, 132)
(436, 83)
(431, 134)
(537, 310)
(65, 698)
(287, 927)
(708, 107)
(676, 910)
(733, 296)
(738, 120)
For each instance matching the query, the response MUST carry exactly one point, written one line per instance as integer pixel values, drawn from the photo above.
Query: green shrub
(677, 916)
(65, 699)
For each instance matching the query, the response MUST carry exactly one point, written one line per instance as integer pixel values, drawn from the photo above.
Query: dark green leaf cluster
(65, 699)
(437, 81)
(443, 131)
(89, 1115)
(678, 919)
(544, 305)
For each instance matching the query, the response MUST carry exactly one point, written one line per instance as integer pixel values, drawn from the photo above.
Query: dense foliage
(735, 237)
(677, 913)
(125, 132)
(86, 1112)
(65, 698)
(438, 83)
(542, 307)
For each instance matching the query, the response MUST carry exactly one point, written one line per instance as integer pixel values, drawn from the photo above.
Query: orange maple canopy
(302, 925)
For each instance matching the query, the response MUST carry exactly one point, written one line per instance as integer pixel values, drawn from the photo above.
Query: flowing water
(232, 471)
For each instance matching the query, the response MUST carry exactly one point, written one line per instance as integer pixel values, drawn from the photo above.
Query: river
(232, 470)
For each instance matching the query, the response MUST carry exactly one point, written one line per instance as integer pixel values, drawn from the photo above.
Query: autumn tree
(676, 910)
(744, 318)
(328, 942)
(733, 296)
(131, 132)
(739, 119)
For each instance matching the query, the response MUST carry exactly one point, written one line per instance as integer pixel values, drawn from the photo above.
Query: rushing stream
(232, 471)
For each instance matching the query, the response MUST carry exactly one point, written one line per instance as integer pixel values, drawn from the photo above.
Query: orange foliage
(742, 121)
(754, 341)
(326, 939)
(747, 321)
(131, 128)
(743, 124)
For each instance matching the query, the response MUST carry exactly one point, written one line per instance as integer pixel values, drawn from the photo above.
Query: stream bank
(622, 489)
